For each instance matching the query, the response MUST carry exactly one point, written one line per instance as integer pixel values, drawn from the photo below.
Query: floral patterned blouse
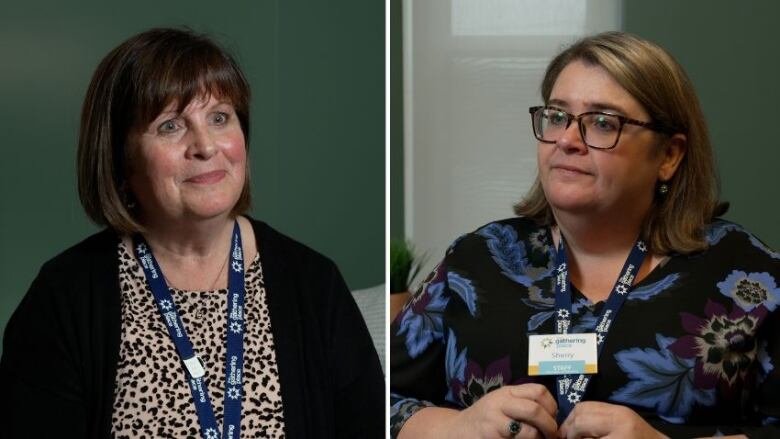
(693, 351)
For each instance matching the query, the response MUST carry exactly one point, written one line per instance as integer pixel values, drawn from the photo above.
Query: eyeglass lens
(598, 130)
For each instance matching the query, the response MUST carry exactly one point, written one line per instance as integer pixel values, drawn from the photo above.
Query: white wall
(471, 70)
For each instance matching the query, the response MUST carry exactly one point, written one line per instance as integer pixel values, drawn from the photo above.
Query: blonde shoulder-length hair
(676, 220)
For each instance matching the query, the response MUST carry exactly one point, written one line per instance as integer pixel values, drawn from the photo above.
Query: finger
(529, 432)
(585, 424)
(523, 430)
(588, 409)
(538, 393)
(531, 413)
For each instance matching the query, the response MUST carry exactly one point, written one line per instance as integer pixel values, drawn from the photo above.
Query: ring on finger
(514, 428)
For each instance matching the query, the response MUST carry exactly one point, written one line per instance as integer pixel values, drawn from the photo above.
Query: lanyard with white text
(234, 359)
(571, 390)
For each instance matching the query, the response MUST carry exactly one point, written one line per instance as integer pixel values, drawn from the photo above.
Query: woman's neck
(596, 250)
(598, 237)
(200, 239)
(193, 256)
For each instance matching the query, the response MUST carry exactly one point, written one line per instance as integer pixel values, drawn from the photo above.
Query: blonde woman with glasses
(616, 304)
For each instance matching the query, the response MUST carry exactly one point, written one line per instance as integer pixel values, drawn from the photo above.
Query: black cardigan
(61, 346)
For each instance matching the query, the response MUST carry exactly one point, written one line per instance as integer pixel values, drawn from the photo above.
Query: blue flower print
(539, 298)
(660, 380)
(538, 319)
(765, 360)
(761, 246)
(465, 289)
(585, 322)
(455, 364)
(648, 291)
(401, 409)
(478, 382)
(769, 420)
(751, 290)
(422, 319)
(510, 255)
(719, 229)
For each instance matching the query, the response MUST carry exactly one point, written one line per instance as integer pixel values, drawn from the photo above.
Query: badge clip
(195, 367)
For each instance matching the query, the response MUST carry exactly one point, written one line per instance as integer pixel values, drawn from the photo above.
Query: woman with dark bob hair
(184, 317)
(615, 304)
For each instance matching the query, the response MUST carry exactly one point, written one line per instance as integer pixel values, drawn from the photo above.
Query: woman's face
(582, 180)
(191, 165)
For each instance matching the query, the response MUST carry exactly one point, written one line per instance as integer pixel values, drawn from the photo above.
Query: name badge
(562, 354)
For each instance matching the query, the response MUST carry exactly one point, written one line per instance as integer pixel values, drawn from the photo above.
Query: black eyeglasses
(598, 129)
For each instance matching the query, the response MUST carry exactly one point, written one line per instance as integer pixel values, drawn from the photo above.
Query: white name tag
(562, 354)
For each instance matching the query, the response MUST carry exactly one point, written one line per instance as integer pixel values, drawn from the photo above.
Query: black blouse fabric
(693, 351)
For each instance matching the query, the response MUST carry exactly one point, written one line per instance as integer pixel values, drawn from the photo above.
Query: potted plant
(404, 266)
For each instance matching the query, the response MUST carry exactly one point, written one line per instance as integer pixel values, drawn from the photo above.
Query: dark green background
(396, 121)
(317, 152)
(730, 51)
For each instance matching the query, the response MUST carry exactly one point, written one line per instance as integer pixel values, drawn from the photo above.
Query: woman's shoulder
(76, 280)
(276, 249)
(98, 247)
(514, 232)
(733, 252)
(517, 247)
(731, 239)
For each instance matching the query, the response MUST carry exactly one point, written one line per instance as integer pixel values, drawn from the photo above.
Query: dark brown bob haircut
(676, 221)
(132, 85)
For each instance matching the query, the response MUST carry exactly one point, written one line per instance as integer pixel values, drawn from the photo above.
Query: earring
(663, 189)
(127, 198)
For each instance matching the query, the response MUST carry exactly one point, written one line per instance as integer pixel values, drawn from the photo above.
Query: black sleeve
(41, 390)
(359, 401)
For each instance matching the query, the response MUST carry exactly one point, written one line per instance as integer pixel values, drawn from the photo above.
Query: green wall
(317, 152)
(396, 121)
(729, 50)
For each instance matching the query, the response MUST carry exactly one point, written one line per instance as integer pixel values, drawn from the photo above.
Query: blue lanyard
(571, 388)
(234, 360)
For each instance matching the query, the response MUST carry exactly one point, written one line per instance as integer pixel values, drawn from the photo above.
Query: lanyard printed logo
(234, 361)
(571, 388)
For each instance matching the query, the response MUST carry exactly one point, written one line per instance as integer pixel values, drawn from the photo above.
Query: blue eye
(166, 127)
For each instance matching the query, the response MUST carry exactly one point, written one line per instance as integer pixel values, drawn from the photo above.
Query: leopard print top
(152, 398)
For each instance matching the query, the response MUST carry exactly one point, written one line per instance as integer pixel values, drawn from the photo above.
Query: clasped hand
(535, 408)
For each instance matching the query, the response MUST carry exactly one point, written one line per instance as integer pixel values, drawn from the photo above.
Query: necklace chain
(224, 264)
(216, 279)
